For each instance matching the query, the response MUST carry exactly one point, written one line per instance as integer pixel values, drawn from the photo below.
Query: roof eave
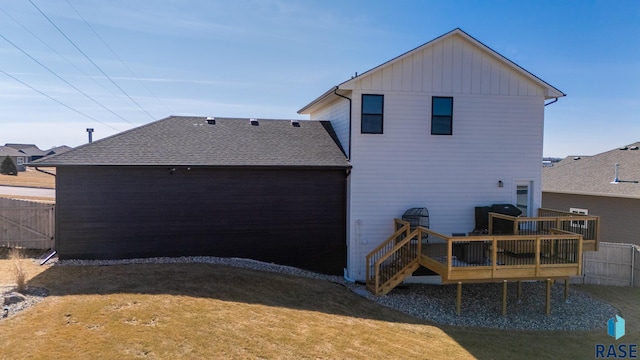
(587, 193)
(318, 100)
(243, 166)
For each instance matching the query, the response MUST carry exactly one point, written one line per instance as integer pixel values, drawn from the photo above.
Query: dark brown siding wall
(291, 217)
(618, 216)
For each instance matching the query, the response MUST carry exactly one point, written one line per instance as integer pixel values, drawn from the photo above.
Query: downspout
(551, 102)
(335, 91)
(42, 171)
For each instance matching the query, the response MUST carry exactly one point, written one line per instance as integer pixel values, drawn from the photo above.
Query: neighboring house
(587, 184)
(271, 190)
(19, 158)
(30, 151)
(450, 125)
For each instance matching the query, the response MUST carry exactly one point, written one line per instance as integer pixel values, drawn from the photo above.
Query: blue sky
(267, 59)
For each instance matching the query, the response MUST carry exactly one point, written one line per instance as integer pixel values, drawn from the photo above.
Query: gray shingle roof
(592, 175)
(6, 150)
(180, 140)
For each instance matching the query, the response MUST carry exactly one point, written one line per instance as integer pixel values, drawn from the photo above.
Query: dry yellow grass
(18, 269)
(30, 177)
(30, 265)
(211, 311)
(208, 311)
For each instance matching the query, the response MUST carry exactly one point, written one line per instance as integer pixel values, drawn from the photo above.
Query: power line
(89, 59)
(58, 101)
(65, 81)
(116, 55)
(55, 51)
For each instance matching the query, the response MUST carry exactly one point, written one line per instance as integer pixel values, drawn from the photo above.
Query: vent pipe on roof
(90, 132)
(616, 179)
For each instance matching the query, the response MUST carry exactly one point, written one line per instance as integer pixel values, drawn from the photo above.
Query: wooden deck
(497, 258)
(543, 248)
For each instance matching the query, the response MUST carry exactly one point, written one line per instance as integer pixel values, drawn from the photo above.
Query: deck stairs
(393, 260)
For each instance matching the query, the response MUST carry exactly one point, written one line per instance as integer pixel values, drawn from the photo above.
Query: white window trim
(19, 160)
(579, 224)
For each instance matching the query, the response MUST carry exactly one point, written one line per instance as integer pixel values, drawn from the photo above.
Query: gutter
(586, 193)
(318, 99)
(551, 102)
(46, 172)
(335, 91)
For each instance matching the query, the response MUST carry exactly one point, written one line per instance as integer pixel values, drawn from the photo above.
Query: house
(449, 126)
(24, 153)
(31, 152)
(19, 158)
(271, 190)
(446, 127)
(607, 184)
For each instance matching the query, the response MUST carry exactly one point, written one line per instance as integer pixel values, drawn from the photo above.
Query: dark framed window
(372, 110)
(441, 115)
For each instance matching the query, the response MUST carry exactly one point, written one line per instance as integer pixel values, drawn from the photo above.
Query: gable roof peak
(347, 85)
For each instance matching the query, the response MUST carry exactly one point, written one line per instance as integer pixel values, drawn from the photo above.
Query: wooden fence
(27, 224)
(613, 264)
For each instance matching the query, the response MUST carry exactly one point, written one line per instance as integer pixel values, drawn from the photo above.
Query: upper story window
(441, 115)
(372, 110)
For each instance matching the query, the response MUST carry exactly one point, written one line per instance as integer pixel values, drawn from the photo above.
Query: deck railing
(516, 248)
(477, 258)
(390, 262)
(548, 221)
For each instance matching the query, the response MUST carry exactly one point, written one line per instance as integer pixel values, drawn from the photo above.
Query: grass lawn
(214, 311)
(31, 177)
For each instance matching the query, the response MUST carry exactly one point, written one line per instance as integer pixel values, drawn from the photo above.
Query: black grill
(417, 217)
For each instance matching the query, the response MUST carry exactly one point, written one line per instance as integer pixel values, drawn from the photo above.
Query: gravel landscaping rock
(481, 303)
(15, 302)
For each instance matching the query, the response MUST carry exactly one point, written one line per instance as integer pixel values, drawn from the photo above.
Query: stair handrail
(405, 263)
(405, 228)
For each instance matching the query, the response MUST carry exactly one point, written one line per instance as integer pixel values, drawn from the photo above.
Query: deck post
(459, 298)
(566, 289)
(504, 298)
(548, 302)
(519, 289)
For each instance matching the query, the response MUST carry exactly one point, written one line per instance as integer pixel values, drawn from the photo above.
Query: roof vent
(624, 148)
(634, 148)
(253, 122)
(577, 158)
(211, 120)
(295, 123)
(616, 179)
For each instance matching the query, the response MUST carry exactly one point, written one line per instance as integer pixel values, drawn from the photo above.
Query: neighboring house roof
(6, 150)
(550, 91)
(59, 149)
(593, 175)
(34, 151)
(192, 141)
(20, 146)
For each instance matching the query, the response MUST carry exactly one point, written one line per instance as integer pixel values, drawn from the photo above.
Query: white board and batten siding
(338, 113)
(498, 121)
